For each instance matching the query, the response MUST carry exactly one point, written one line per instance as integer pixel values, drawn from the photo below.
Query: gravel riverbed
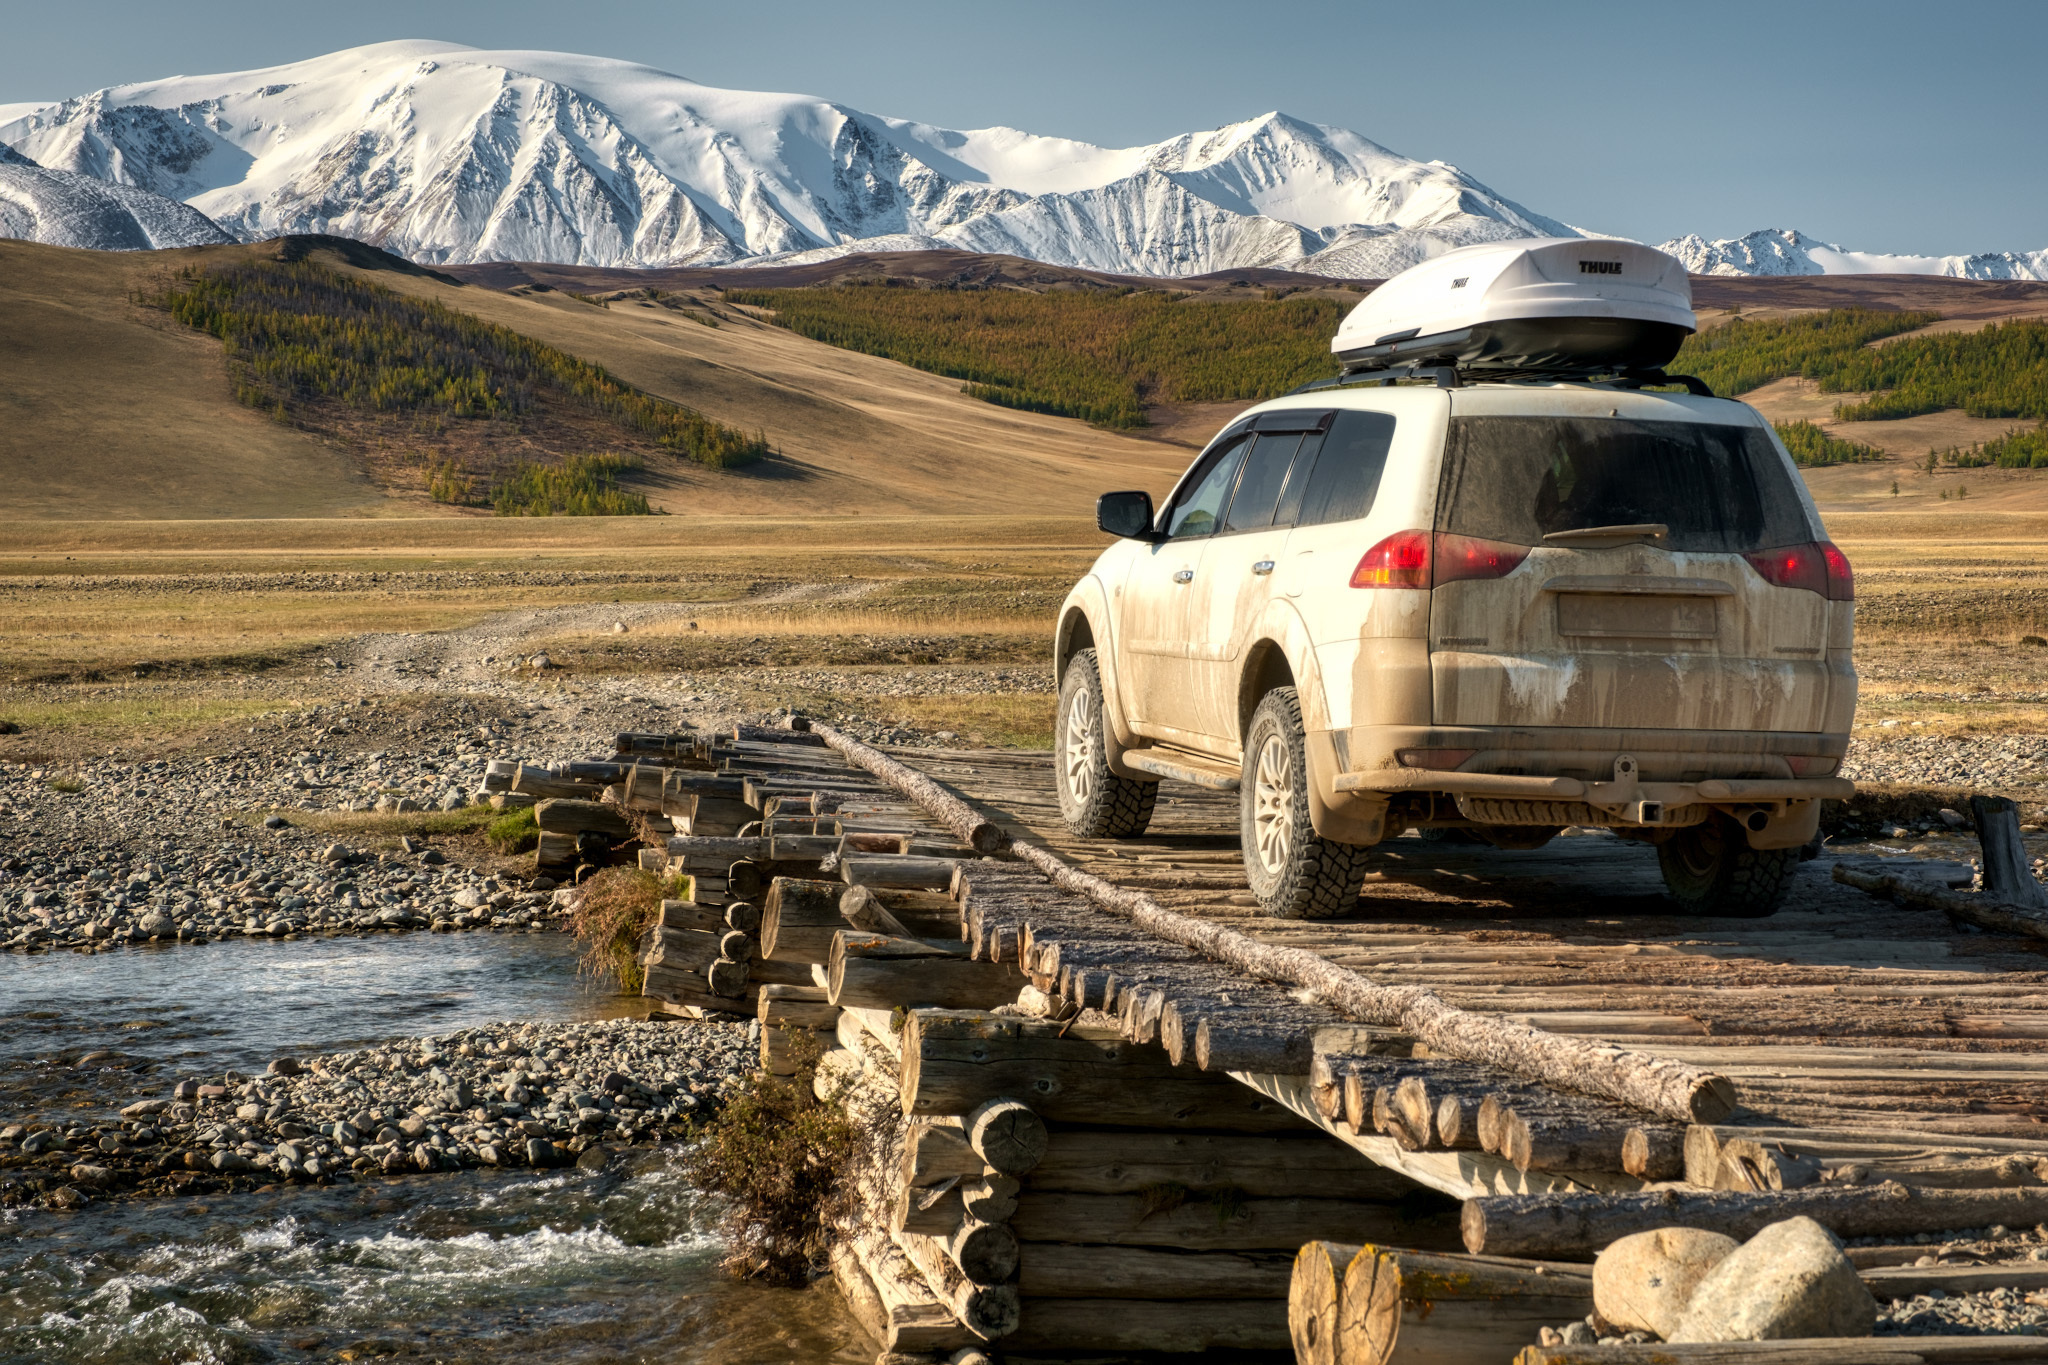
(537, 1095)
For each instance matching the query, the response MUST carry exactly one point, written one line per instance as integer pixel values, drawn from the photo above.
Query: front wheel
(1096, 802)
(1710, 869)
(1295, 872)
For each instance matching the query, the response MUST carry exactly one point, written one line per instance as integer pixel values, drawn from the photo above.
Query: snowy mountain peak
(1787, 251)
(452, 154)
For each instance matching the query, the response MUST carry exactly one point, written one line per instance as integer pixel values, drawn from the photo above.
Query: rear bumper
(1642, 779)
(1713, 790)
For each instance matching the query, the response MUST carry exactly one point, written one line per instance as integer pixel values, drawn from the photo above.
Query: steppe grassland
(142, 635)
(138, 636)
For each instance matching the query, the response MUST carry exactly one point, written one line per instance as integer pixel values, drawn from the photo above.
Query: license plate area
(1636, 616)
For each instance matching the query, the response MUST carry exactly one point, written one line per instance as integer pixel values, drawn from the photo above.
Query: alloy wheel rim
(1076, 768)
(1273, 807)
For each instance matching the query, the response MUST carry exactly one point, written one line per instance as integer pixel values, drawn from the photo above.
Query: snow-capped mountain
(60, 208)
(1787, 251)
(449, 154)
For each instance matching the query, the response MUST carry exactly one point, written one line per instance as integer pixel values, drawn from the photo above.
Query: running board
(1203, 772)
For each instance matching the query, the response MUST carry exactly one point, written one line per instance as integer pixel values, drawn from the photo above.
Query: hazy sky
(1883, 126)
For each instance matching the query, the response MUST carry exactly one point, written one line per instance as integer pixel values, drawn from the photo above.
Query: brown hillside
(114, 411)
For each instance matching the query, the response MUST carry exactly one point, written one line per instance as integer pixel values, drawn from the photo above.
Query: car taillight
(1423, 559)
(1841, 578)
(1818, 568)
(1812, 765)
(1399, 561)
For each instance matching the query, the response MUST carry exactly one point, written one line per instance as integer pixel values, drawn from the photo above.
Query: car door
(1155, 598)
(1238, 570)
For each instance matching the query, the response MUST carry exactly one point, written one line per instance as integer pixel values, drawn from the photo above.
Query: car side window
(1346, 476)
(1199, 511)
(1258, 489)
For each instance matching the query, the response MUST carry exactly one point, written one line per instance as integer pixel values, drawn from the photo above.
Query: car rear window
(1517, 479)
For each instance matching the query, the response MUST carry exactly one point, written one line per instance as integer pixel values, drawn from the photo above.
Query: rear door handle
(1263, 566)
(1184, 576)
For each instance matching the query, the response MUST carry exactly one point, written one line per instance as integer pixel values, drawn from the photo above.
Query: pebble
(498, 1095)
(1993, 762)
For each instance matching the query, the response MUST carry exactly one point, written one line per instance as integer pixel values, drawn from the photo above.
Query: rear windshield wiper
(1648, 530)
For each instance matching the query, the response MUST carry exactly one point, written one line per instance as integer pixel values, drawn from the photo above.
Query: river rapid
(569, 1265)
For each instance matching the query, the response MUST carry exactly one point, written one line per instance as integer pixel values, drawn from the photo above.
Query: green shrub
(299, 333)
(1100, 357)
(1812, 448)
(781, 1160)
(618, 905)
(582, 486)
(516, 831)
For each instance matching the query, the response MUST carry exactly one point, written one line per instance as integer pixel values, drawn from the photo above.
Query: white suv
(1495, 607)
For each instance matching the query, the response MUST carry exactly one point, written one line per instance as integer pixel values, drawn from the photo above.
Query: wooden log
(1701, 1155)
(1400, 1307)
(1749, 1165)
(1222, 1220)
(985, 1252)
(542, 785)
(1654, 1151)
(1907, 1281)
(936, 1211)
(979, 832)
(858, 1290)
(556, 850)
(936, 1150)
(2008, 872)
(690, 949)
(1567, 1133)
(680, 987)
(743, 878)
(727, 977)
(1073, 1271)
(987, 1309)
(864, 911)
(1008, 1136)
(990, 1198)
(917, 1320)
(778, 1050)
(1579, 1225)
(1964, 906)
(736, 944)
(905, 872)
(799, 920)
(879, 972)
(1953, 1350)
(1656, 1085)
(744, 916)
(1315, 1295)
(1273, 1166)
(1172, 1328)
(562, 816)
(956, 1060)
(721, 851)
(682, 914)
(796, 1007)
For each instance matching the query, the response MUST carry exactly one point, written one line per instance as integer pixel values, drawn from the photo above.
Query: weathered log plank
(1065, 1270)
(1401, 1306)
(1222, 1220)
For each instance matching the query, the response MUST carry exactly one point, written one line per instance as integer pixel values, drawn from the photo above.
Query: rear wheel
(1295, 872)
(1710, 869)
(1096, 802)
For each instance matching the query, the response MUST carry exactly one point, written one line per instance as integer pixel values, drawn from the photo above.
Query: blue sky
(1886, 127)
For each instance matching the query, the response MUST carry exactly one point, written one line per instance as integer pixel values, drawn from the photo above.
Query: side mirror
(1125, 515)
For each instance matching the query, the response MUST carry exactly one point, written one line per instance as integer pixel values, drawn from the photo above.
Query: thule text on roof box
(1548, 305)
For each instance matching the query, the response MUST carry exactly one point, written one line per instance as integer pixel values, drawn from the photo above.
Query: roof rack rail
(1451, 377)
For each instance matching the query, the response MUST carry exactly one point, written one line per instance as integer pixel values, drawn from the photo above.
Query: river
(562, 1266)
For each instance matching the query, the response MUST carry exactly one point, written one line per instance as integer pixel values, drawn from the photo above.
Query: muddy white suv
(1492, 606)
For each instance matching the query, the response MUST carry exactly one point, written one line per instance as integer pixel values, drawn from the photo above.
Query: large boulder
(1790, 1280)
(1643, 1283)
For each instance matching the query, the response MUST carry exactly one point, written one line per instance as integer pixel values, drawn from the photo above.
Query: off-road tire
(1710, 869)
(1096, 802)
(1295, 872)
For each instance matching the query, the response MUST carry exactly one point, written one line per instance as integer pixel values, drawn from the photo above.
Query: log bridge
(1118, 1114)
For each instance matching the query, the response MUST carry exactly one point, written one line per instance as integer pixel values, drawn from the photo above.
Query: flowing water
(562, 1266)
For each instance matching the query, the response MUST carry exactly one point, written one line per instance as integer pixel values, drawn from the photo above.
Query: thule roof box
(1548, 307)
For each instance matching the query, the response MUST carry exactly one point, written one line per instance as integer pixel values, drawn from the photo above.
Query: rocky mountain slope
(453, 155)
(1787, 251)
(63, 208)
